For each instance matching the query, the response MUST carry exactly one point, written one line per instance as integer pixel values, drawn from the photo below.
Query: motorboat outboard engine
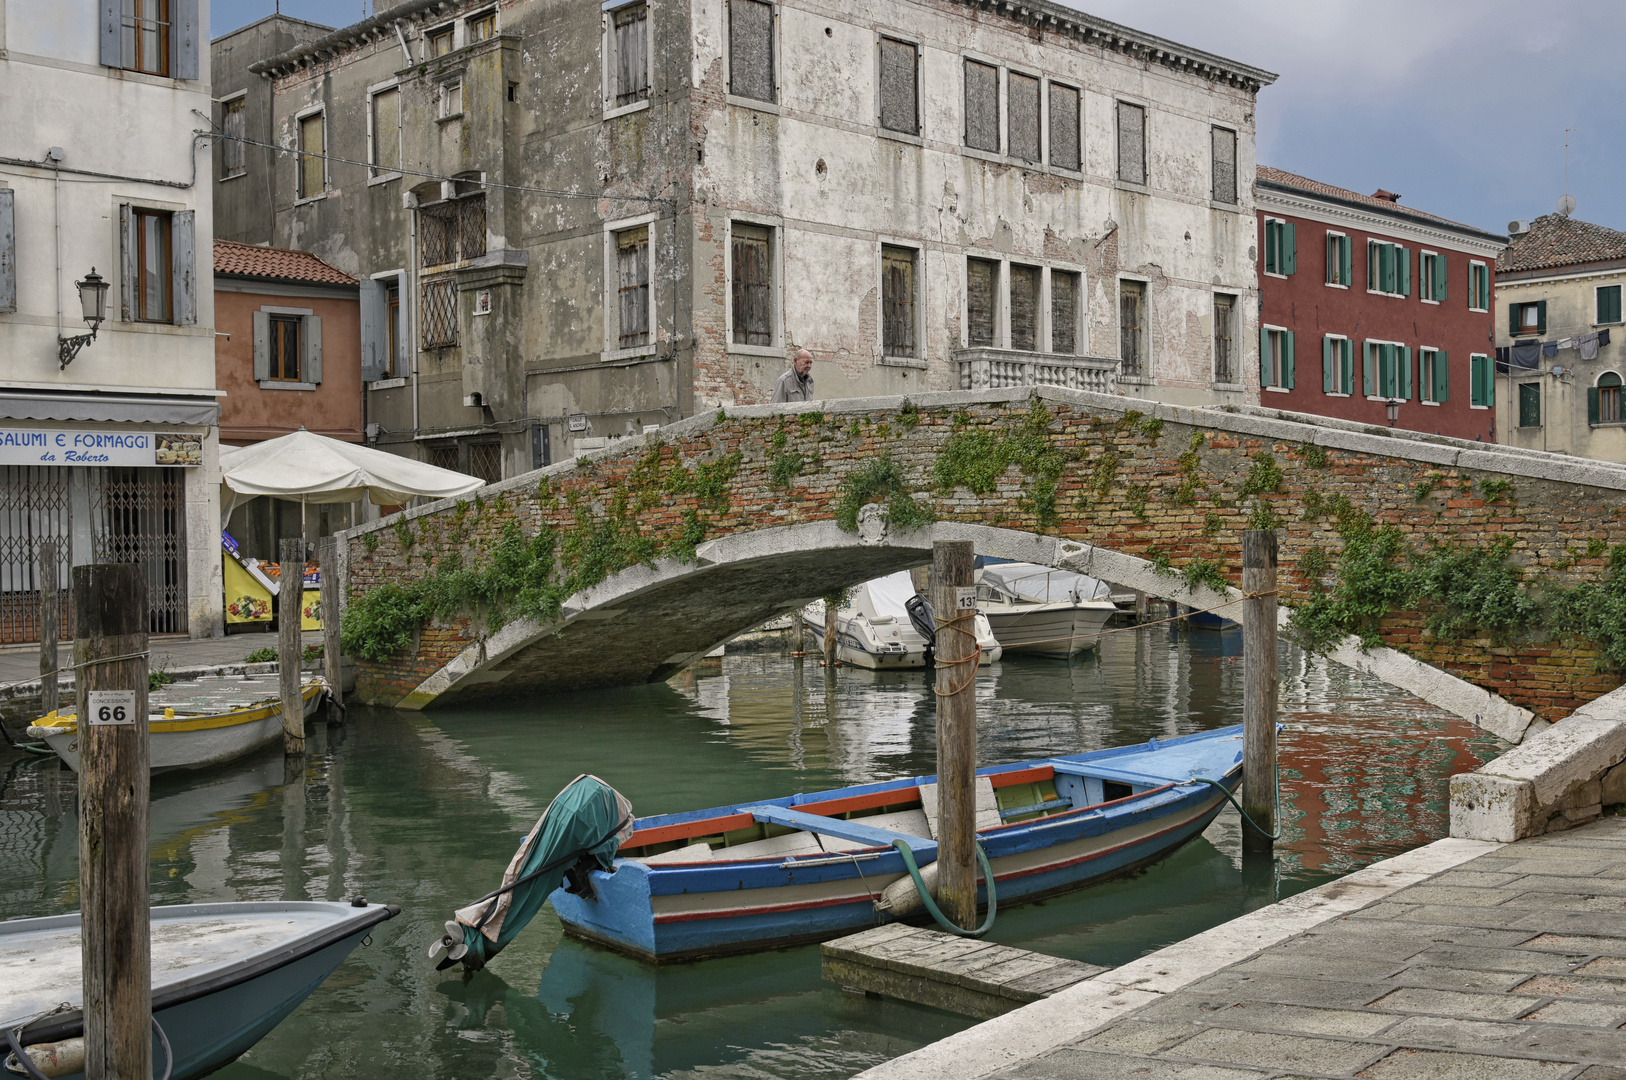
(924, 620)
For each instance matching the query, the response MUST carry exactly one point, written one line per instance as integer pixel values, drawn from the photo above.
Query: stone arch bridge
(627, 564)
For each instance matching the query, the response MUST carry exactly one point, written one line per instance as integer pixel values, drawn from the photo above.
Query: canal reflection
(423, 810)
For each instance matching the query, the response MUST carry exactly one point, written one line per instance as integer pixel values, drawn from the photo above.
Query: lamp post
(93, 302)
(1392, 406)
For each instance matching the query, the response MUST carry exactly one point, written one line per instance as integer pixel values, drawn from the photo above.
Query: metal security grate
(438, 313)
(443, 456)
(139, 516)
(33, 507)
(451, 232)
(485, 461)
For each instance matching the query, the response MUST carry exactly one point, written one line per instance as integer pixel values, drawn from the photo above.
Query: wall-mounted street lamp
(93, 300)
(1392, 406)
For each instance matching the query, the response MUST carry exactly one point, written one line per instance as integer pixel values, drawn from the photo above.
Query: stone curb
(1073, 1013)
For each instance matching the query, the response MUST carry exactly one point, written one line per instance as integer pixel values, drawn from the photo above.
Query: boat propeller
(453, 942)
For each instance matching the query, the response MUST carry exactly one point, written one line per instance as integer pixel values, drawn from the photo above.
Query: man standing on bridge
(797, 383)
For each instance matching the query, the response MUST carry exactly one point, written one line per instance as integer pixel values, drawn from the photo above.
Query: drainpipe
(410, 201)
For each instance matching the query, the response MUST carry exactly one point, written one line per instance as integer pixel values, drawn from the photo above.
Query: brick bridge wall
(1556, 508)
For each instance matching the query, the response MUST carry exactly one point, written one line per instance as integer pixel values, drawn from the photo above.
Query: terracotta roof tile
(1556, 240)
(280, 264)
(1316, 187)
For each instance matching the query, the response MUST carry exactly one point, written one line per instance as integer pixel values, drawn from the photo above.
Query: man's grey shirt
(794, 387)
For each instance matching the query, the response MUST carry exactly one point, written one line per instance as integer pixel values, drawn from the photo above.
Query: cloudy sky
(1459, 105)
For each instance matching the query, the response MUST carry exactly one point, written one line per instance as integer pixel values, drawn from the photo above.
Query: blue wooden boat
(804, 868)
(223, 976)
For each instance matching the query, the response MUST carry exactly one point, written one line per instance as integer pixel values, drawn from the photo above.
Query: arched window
(1603, 400)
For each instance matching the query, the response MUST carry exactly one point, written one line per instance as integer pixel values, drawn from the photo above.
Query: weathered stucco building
(581, 219)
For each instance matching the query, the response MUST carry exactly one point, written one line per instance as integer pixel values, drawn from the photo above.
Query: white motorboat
(873, 628)
(223, 975)
(1039, 609)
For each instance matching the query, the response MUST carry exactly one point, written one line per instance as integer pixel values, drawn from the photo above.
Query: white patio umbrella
(305, 467)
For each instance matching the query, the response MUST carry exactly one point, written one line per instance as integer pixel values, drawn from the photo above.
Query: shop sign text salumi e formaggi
(76, 446)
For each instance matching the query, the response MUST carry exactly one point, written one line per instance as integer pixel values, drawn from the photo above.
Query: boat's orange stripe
(1023, 776)
(660, 834)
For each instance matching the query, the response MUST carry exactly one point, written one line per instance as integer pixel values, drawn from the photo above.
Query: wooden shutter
(1131, 143)
(8, 251)
(112, 33)
(981, 106)
(1441, 290)
(897, 301)
(1592, 409)
(752, 286)
(1442, 376)
(900, 109)
(1290, 248)
(1063, 312)
(980, 276)
(1271, 263)
(183, 264)
(630, 31)
(127, 263)
(1022, 117)
(1329, 375)
(1347, 367)
(1369, 379)
(750, 49)
(1287, 359)
(310, 359)
(262, 346)
(1514, 318)
(1403, 259)
(1064, 130)
(1541, 317)
(1403, 363)
(184, 29)
(375, 332)
(1024, 307)
(1264, 357)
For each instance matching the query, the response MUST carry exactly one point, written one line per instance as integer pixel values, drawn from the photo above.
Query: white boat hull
(1048, 629)
(888, 648)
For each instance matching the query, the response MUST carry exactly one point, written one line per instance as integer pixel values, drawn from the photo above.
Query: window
(1024, 308)
(1481, 382)
(1064, 142)
(392, 307)
(752, 285)
(443, 455)
(897, 301)
(1431, 269)
(632, 286)
(284, 348)
(1131, 143)
(1022, 118)
(1529, 404)
(482, 27)
(287, 346)
(451, 98)
(629, 46)
(380, 328)
(146, 26)
(1603, 405)
(900, 107)
(1386, 370)
(1433, 382)
(1223, 141)
(1281, 247)
(1064, 293)
(1527, 318)
(312, 164)
(981, 285)
(1224, 338)
(982, 106)
(750, 50)
(485, 461)
(1132, 327)
(437, 313)
(1478, 286)
(152, 267)
(452, 231)
(1276, 357)
(1608, 304)
(1337, 365)
(386, 132)
(440, 41)
(1340, 260)
(233, 113)
(1388, 268)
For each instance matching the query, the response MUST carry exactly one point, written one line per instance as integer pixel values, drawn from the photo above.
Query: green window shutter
(1329, 377)
(1346, 254)
(1290, 253)
(1541, 317)
(1476, 380)
(1264, 357)
(1270, 246)
(1440, 289)
(1369, 383)
(1332, 259)
(1513, 318)
(1592, 406)
(1442, 376)
(1287, 361)
(1403, 263)
(1403, 356)
(1386, 267)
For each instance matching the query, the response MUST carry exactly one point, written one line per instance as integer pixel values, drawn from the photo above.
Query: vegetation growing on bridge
(975, 460)
(880, 481)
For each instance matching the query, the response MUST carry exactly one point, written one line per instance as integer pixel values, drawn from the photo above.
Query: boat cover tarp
(590, 819)
(1044, 583)
(890, 595)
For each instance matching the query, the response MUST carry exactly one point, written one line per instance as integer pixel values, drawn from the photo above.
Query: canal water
(424, 811)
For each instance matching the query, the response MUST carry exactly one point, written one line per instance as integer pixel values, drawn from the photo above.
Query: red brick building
(1365, 302)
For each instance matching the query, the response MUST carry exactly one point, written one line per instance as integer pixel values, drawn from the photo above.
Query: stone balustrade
(995, 369)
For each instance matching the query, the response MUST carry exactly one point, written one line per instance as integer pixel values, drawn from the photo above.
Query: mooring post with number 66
(110, 653)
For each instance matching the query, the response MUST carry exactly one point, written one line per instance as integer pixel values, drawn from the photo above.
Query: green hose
(931, 905)
(1277, 835)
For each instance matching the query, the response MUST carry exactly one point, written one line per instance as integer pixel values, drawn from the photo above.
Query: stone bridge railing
(997, 369)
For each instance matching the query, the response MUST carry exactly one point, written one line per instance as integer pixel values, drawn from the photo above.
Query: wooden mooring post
(49, 594)
(1259, 686)
(955, 605)
(829, 633)
(110, 620)
(332, 667)
(290, 596)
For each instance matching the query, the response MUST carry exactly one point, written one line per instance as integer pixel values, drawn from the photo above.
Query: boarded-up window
(1023, 136)
(231, 147)
(312, 174)
(1224, 140)
(1224, 331)
(981, 106)
(437, 313)
(899, 105)
(981, 277)
(750, 49)
(1131, 143)
(1132, 326)
(752, 286)
(1064, 292)
(386, 131)
(1024, 307)
(1064, 143)
(631, 41)
(897, 301)
(632, 277)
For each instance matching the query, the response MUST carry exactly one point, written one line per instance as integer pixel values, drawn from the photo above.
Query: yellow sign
(310, 610)
(247, 601)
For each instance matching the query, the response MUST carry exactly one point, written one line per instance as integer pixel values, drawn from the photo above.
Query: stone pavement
(167, 654)
(1509, 966)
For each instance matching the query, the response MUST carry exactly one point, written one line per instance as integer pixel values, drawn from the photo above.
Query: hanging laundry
(1549, 348)
(1526, 354)
(1603, 337)
(1589, 347)
(1501, 359)
(1566, 342)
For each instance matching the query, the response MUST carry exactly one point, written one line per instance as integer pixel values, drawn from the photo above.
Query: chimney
(1386, 196)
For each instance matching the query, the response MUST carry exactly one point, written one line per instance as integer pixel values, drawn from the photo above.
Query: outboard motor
(924, 620)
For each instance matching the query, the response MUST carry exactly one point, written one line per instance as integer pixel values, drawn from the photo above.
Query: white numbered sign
(965, 597)
(108, 707)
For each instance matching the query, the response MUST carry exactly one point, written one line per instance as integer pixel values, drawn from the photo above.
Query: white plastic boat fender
(901, 897)
(54, 1059)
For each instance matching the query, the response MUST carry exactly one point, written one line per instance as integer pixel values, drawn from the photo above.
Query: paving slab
(1409, 1064)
